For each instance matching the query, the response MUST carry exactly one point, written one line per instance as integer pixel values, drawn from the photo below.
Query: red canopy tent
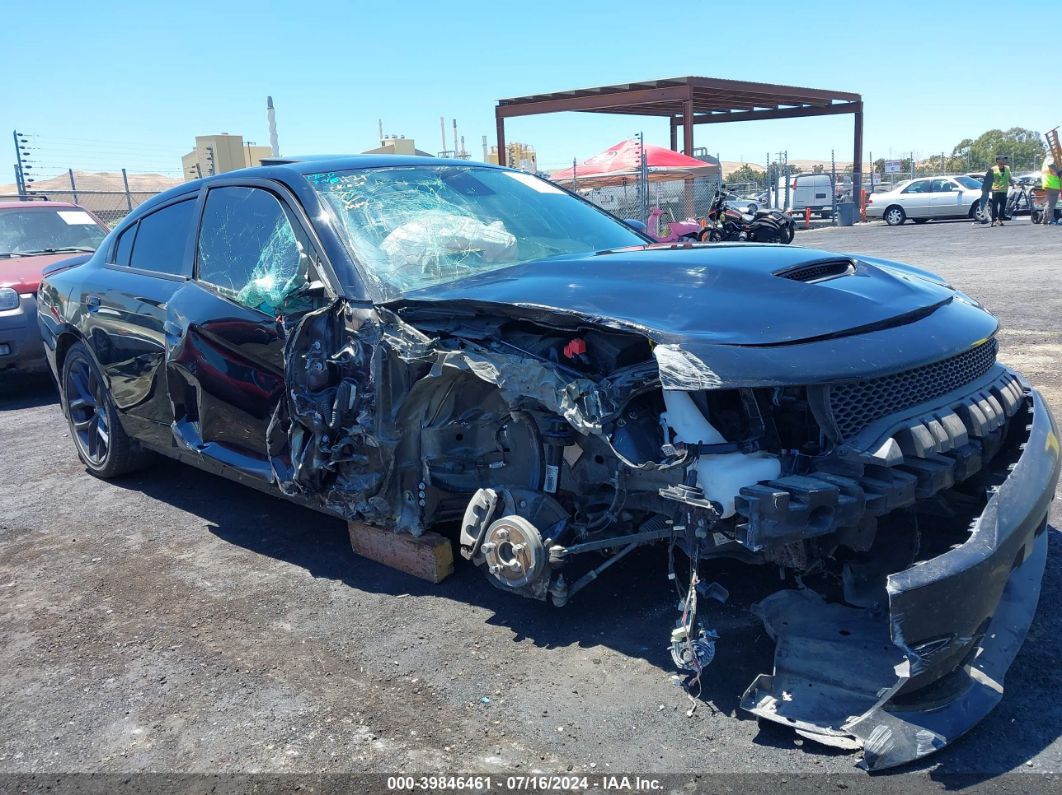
(622, 162)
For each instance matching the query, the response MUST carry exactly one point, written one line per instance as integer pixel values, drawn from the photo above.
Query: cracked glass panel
(411, 227)
(248, 249)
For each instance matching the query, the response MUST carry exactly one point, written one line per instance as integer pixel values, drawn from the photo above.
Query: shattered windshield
(411, 227)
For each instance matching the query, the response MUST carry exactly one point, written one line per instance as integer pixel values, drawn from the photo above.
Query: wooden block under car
(429, 556)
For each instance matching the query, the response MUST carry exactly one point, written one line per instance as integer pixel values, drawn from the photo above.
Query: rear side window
(124, 247)
(162, 239)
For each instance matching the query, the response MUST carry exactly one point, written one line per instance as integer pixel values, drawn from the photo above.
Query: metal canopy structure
(688, 101)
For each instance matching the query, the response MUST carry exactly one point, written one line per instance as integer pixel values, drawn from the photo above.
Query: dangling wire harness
(692, 647)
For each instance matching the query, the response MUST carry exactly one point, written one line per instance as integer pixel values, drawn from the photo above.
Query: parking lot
(174, 621)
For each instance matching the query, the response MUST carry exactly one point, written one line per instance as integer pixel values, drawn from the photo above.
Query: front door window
(251, 252)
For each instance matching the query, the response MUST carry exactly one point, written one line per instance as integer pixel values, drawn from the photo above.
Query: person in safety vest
(999, 175)
(1052, 185)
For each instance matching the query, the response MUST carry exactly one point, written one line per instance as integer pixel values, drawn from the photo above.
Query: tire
(790, 232)
(894, 215)
(975, 215)
(919, 220)
(1036, 216)
(102, 444)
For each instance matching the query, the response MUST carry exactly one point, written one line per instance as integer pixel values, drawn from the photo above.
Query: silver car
(925, 198)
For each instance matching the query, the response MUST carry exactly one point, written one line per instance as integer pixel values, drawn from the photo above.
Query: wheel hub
(513, 551)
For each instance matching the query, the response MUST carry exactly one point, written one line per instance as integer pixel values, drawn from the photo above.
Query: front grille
(854, 406)
(816, 271)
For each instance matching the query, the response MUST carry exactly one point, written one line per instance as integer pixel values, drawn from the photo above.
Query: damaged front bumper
(902, 683)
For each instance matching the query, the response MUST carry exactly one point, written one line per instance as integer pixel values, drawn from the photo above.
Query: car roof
(300, 166)
(314, 164)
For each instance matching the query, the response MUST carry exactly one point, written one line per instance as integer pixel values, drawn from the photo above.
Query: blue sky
(106, 84)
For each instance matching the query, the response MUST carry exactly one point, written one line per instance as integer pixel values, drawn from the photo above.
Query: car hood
(733, 295)
(24, 273)
(728, 315)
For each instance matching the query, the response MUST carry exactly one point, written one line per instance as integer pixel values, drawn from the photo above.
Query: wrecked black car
(414, 342)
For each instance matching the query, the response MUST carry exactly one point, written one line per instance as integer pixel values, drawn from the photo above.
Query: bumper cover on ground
(903, 683)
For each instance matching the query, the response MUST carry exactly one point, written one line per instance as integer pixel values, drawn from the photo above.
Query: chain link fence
(110, 206)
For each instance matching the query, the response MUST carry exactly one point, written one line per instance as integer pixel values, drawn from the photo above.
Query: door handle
(93, 303)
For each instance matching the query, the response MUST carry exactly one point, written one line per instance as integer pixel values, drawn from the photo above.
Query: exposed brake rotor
(500, 532)
(513, 551)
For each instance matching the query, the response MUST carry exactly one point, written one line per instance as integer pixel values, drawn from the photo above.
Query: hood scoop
(818, 271)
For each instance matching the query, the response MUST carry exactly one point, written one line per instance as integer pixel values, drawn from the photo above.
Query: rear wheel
(766, 233)
(894, 215)
(101, 442)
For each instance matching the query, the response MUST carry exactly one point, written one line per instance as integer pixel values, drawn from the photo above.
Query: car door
(124, 309)
(225, 329)
(915, 199)
(945, 198)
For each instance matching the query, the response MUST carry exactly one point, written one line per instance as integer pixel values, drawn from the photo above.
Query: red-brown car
(34, 234)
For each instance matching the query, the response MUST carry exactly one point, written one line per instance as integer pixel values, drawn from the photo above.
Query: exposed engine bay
(551, 438)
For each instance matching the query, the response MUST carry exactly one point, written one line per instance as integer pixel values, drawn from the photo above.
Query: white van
(808, 190)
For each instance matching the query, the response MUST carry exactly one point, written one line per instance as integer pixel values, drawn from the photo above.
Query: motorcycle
(764, 226)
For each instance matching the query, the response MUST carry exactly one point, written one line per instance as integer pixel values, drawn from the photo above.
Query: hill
(100, 181)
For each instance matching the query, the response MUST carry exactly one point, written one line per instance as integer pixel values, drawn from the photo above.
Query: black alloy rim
(88, 413)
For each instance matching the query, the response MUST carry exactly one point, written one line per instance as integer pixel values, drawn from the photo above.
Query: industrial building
(517, 155)
(396, 145)
(216, 154)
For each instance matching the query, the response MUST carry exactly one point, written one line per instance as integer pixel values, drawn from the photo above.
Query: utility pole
(20, 174)
(783, 160)
(833, 187)
(643, 178)
(128, 197)
(772, 185)
(73, 185)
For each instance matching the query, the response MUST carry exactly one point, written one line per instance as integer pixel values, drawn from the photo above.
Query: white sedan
(925, 198)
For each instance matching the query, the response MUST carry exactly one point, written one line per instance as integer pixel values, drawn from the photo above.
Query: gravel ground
(176, 622)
